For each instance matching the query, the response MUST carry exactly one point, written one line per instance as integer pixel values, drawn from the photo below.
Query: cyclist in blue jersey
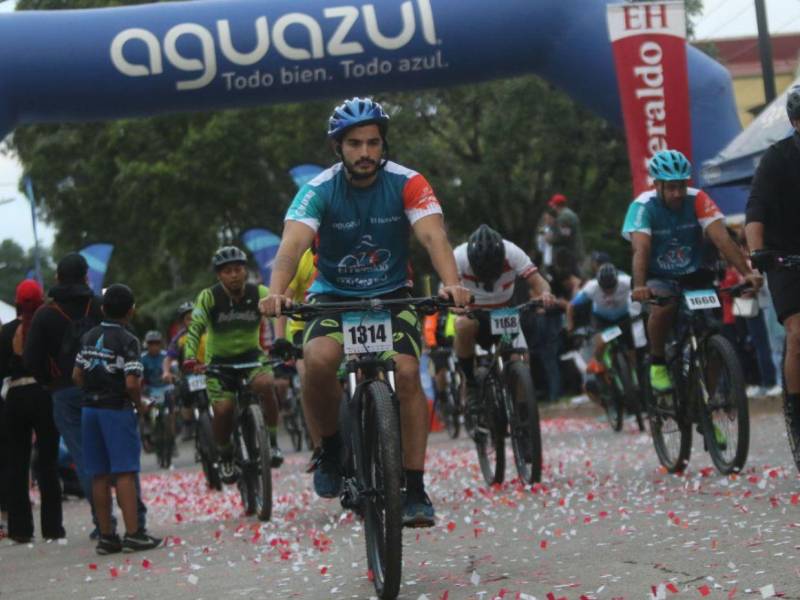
(666, 226)
(361, 212)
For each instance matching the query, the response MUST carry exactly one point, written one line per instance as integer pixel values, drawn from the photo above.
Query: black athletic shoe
(108, 544)
(140, 540)
(275, 457)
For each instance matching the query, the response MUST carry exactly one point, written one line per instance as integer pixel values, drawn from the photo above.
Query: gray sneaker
(418, 511)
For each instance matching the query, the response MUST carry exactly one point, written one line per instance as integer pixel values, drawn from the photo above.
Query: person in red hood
(28, 409)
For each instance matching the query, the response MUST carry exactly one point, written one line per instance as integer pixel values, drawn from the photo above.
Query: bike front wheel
(382, 477)
(669, 425)
(207, 451)
(490, 428)
(164, 441)
(257, 473)
(726, 416)
(526, 434)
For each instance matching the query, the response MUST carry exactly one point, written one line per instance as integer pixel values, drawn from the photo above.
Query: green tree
(15, 264)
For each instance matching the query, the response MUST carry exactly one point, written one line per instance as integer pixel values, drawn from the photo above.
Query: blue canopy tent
(732, 170)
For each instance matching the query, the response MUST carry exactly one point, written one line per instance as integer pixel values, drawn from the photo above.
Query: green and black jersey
(233, 327)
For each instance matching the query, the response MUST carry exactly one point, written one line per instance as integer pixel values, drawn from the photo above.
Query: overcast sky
(720, 19)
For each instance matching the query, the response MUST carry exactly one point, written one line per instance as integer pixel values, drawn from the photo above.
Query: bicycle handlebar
(426, 305)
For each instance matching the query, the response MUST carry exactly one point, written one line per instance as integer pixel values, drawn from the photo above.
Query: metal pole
(765, 50)
(32, 199)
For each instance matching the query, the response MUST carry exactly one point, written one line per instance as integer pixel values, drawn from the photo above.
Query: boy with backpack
(109, 369)
(51, 345)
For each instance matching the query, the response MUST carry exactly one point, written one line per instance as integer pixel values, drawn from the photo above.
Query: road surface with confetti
(605, 522)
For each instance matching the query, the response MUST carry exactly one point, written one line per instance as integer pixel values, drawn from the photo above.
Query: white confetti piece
(193, 579)
(768, 591)
(475, 579)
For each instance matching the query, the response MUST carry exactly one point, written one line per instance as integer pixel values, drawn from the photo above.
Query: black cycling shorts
(406, 326)
(484, 337)
(784, 285)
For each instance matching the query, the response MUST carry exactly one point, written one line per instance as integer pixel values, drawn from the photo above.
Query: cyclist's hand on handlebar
(756, 280)
(273, 305)
(547, 299)
(641, 294)
(457, 293)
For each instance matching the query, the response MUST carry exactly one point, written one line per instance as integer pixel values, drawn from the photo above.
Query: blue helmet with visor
(357, 112)
(669, 165)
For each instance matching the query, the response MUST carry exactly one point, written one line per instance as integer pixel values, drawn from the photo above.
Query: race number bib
(611, 333)
(367, 332)
(196, 383)
(701, 299)
(505, 321)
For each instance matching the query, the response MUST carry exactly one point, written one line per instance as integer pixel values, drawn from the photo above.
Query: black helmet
(152, 336)
(227, 255)
(793, 103)
(607, 277)
(486, 253)
(184, 308)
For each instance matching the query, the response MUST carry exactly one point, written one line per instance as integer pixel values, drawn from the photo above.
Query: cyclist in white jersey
(488, 266)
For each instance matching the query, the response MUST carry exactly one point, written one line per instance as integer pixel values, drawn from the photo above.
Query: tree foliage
(15, 265)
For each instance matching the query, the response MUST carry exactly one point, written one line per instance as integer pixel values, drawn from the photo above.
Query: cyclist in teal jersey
(362, 211)
(665, 226)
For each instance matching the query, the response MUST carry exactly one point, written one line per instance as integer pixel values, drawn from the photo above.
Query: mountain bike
(161, 414)
(507, 406)
(618, 386)
(707, 388)
(205, 450)
(447, 402)
(292, 407)
(373, 463)
(250, 439)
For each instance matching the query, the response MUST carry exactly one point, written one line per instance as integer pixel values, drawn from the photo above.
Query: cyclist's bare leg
(413, 411)
(312, 431)
(440, 380)
(464, 342)
(223, 421)
(321, 389)
(791, 367)
(281, 389)
(263, 386)
(658, 326)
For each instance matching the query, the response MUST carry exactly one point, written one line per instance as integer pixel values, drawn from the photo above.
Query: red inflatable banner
(649, 43)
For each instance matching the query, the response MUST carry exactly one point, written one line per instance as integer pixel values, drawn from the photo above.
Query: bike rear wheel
(257, 473)
(292, 424)
(165, 441)
(726, 417)
(526, 434)
(490, 430)
(207, 451)
(669, 426)
(382, 478)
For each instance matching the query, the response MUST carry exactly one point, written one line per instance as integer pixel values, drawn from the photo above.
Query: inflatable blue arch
(75, 65)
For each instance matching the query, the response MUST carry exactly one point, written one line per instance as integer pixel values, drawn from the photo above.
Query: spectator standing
(50, 349)
(28, 409)
(109, 370)
(565, 232)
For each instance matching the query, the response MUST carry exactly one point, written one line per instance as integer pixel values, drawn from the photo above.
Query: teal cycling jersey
(363, 233)
(676, 235)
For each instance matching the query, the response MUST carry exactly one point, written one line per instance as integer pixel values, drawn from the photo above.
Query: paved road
(605, 523)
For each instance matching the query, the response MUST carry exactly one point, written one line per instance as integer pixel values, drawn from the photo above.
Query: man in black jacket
(50, 349)
(773, 223)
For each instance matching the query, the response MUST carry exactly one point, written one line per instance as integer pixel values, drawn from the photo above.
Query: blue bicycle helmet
(669, 165)
(357, 111)
(793, 103)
